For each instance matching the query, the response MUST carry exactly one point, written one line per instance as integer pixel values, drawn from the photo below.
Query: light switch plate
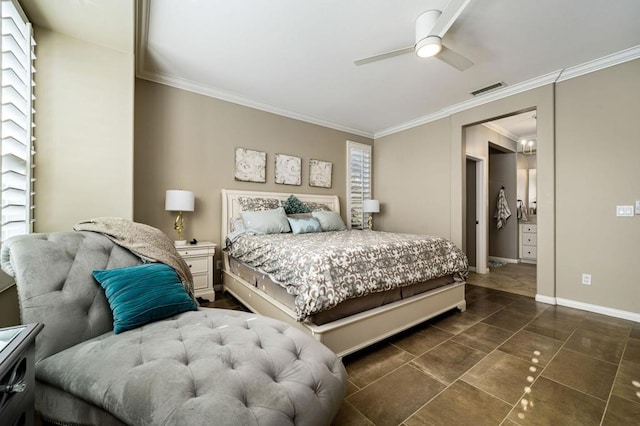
(624, 210)
(637, 207)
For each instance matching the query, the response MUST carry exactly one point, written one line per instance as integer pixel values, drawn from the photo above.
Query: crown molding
(142, 35)
(142, 32)
(553, 77)
(240, 100)
(472, 103)
(501, 131)
(601, 63)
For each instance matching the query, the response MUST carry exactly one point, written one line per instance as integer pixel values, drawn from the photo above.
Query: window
(358, 182)
(17, 121)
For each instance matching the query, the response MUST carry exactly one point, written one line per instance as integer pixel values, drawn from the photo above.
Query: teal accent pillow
(305, 225)
(330, 221)
(142, 294)
(293, 205)
(266, 221)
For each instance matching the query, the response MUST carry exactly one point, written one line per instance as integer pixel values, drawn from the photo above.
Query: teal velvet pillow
(304, 225)
(330, 221)
(293, 205)
(142, 294)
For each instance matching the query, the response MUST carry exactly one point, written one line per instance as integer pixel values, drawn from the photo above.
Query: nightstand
(17, 375)
(199, 257)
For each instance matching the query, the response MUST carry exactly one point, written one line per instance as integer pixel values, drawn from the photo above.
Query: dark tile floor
(519, 278)
(508, 360)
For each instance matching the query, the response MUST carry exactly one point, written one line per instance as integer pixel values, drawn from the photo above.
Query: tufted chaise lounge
(209, 366)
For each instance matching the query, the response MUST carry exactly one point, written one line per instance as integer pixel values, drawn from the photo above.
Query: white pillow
(330, 221)
(266, 221)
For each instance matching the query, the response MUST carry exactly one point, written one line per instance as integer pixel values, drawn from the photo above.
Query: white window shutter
(17, 121)
(358, 182)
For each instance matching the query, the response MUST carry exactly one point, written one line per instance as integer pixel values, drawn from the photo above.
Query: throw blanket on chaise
(145, 241)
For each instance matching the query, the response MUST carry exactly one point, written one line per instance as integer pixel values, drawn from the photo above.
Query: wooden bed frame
(346, 335)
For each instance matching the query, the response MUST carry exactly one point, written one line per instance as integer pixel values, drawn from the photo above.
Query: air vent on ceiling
(489, 88)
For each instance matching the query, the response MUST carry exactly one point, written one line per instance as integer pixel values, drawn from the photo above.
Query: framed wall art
(251, 165)
(288, 169)
(320, 173)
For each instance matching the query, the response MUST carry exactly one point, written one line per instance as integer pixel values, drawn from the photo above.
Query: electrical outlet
(586, 279)
(218, 264)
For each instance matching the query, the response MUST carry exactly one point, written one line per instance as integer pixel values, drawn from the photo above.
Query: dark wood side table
(17, 375)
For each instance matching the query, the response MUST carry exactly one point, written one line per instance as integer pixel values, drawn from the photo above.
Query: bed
(345, 320)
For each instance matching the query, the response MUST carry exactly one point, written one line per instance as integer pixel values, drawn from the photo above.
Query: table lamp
(179, 201)
(370, 206)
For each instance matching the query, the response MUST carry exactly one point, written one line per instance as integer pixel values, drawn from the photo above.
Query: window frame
(352, 203)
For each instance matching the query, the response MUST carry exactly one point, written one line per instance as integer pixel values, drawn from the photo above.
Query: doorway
(508, 262)
(476, 214)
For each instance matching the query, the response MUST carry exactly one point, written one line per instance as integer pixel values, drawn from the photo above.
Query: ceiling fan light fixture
(428, 46)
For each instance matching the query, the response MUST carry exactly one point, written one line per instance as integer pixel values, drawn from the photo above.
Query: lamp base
(179, 243)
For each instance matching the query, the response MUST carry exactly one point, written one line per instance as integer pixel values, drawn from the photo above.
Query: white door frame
(482, 229)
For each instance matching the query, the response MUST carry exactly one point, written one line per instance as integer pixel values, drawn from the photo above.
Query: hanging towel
(502, 212)
(522, 211)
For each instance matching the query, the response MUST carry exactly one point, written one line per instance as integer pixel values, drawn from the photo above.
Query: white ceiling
(295, 58)
(516, 127)
(109, 23)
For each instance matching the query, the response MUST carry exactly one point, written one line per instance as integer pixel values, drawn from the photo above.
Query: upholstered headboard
(231, 206)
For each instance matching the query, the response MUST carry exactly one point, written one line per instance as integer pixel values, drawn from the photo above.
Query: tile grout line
(408, 363)
(539, 375)
(513, 406)
(571, 387)
(613, 385)
(479, 361)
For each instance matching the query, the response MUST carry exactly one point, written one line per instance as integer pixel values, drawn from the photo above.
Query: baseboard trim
(546, 299)
(503, 259)
(617, 313)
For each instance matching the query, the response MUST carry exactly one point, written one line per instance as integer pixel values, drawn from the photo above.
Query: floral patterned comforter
(326, 268)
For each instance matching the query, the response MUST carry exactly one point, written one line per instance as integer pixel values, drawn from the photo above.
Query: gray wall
(591, 120)
(412, 180)
(502, 173)
(184, 140)
(597, 163)
(84, 117)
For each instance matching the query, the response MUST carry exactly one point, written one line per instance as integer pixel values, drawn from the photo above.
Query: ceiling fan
(431, 26)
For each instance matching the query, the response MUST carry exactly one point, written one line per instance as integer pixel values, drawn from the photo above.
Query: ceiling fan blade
(454, 59)
(382, 56)
(449, 15)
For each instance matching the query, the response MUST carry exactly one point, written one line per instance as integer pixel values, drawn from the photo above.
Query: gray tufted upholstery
(202, 367)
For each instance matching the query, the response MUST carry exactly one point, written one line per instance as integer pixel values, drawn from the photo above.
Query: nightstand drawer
(529, 252)
(198, 265)
(193, 252)
(529, 239)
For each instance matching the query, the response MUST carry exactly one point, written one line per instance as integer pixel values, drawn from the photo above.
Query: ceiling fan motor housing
(427, 44)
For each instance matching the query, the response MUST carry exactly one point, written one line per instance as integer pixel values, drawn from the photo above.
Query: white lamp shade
(371, 206)
(179, 201)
